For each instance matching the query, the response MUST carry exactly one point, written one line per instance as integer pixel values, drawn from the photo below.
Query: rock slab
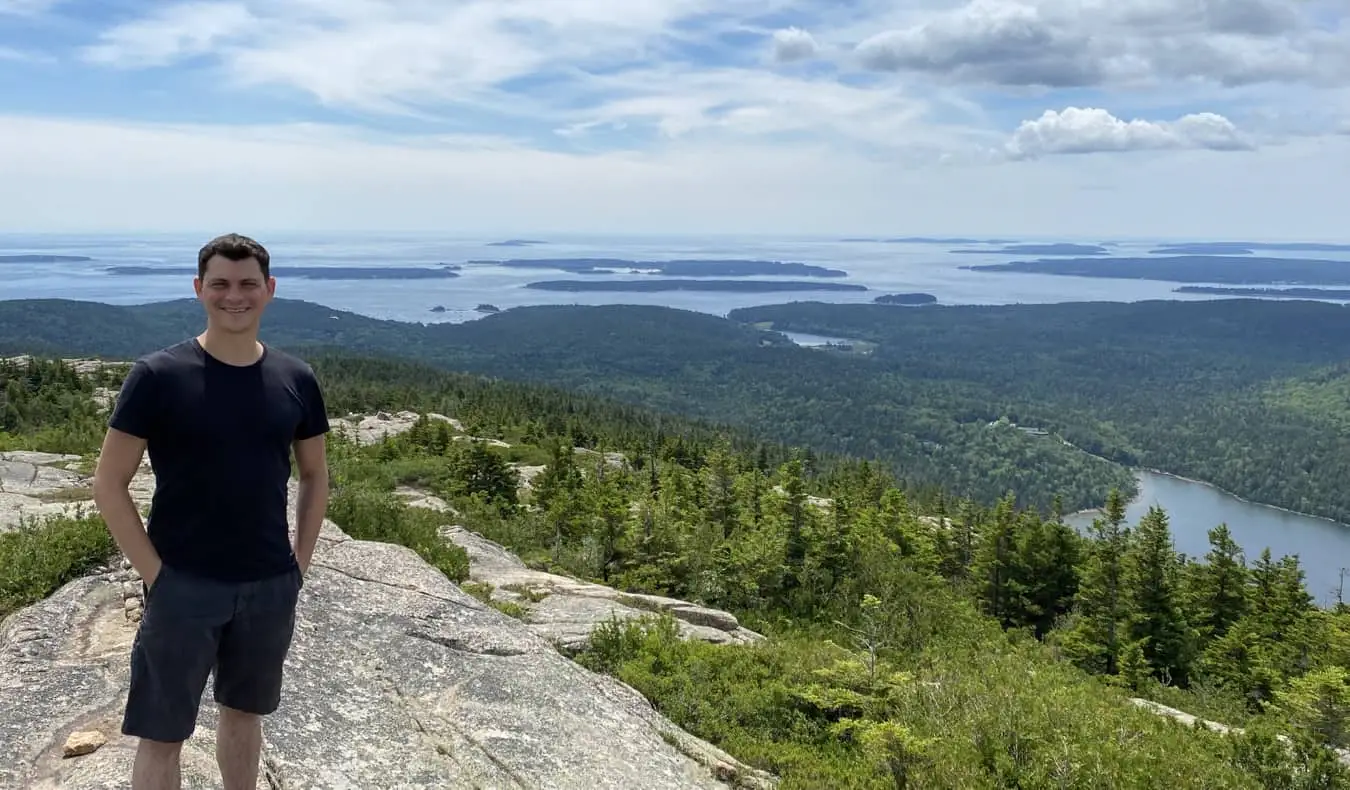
(565, 610)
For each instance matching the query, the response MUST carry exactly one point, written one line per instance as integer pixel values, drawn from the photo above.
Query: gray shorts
(193, 626)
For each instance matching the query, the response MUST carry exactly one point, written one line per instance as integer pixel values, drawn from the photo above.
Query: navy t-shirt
(219, 440)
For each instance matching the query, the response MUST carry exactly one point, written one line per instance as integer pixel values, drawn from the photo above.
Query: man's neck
(232, 349)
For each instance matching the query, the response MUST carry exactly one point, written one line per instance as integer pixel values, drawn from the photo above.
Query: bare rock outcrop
(397, 679)
(565, 610)
(36, 485)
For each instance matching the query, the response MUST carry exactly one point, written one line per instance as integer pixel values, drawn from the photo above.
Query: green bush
(39, 557)
(368, 513)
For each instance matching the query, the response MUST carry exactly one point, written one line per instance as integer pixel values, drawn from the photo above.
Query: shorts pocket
(153, 589)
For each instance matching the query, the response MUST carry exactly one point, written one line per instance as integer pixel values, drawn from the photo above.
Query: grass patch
(368, 513)
(40, 556)
(74, 494)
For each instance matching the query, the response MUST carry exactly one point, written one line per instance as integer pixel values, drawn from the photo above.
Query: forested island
(43, 258)
(1039, 249)
(312, 272)
(676, 268)
(516, 243)
(1235, 270)
(730, 286)
(1246, 247)
(1278, 293)
(913, 639)
(906, 299)
(926, 240)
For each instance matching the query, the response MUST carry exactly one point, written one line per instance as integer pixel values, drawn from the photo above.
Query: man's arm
(117, 464)
(311, 460)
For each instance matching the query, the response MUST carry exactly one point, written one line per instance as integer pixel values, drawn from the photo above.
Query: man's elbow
(316, 474)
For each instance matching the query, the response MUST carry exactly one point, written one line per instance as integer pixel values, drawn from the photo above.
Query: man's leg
(171, 657)
(157, 766)
(238, 747)
(253, 650)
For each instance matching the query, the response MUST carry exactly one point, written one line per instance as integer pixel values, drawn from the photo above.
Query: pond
(1193, 508)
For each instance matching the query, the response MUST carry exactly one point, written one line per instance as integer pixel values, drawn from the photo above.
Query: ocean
(930, 267)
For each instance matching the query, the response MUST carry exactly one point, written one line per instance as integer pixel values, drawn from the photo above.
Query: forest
(1239, 393)
(916, 639)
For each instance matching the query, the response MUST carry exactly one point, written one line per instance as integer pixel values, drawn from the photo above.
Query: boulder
(565, 610)
(397, 679)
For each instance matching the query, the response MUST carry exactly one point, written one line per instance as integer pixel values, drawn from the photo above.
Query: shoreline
(1137, 470)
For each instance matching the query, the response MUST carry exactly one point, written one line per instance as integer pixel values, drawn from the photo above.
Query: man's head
(234, 282)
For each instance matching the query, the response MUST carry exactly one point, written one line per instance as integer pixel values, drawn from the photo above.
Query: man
(219, 414)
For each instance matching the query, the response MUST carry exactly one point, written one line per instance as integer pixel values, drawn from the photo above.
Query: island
(310, 272)
(487, 308)
(516, 243)
(1275, 293)
(1231, 270)
(1039, 249)
(43, 258)
(1246, 247)
(906, 299)
(649, 286)
(675, 268)
(926, 240)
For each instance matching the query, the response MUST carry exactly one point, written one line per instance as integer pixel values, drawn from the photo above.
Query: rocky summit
(398, 678)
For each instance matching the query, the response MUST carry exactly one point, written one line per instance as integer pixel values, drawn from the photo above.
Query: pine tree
(1155, 612)
(1094, 641)
(995, 568)
(1220, 585)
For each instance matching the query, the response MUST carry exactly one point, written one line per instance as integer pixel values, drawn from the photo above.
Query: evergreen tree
(1220, 585)
(1151, 582)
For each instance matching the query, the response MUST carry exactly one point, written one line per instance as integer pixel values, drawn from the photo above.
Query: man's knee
(235, 716)
(159, 751)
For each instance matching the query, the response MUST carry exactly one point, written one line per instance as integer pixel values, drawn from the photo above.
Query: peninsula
(650, 286)
(1039, 249)
(312, 272)
(1274, 293)
(674, 268)
(1246, 247)
(1234, 270)
(43, 258)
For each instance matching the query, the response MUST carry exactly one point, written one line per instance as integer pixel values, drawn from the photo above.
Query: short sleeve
(314, 420)
(136, 406)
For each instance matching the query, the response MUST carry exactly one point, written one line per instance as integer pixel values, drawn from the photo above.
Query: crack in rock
(433, 596)
(272, 773)
(460, 646)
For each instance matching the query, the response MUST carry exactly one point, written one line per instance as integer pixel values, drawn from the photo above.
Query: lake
(1323, 546)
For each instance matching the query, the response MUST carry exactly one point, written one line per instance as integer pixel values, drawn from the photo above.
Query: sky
(1198, 119)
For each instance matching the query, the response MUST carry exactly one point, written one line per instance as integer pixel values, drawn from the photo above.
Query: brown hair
(233, 247)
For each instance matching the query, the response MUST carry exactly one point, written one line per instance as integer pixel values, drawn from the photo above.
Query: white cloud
(388, 55)
(793, 44)
(172, 33)
(179, 177)
(1072, 43)
(1092, 130)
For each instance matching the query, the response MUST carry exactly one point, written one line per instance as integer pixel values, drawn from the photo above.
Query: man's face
(234, 293)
